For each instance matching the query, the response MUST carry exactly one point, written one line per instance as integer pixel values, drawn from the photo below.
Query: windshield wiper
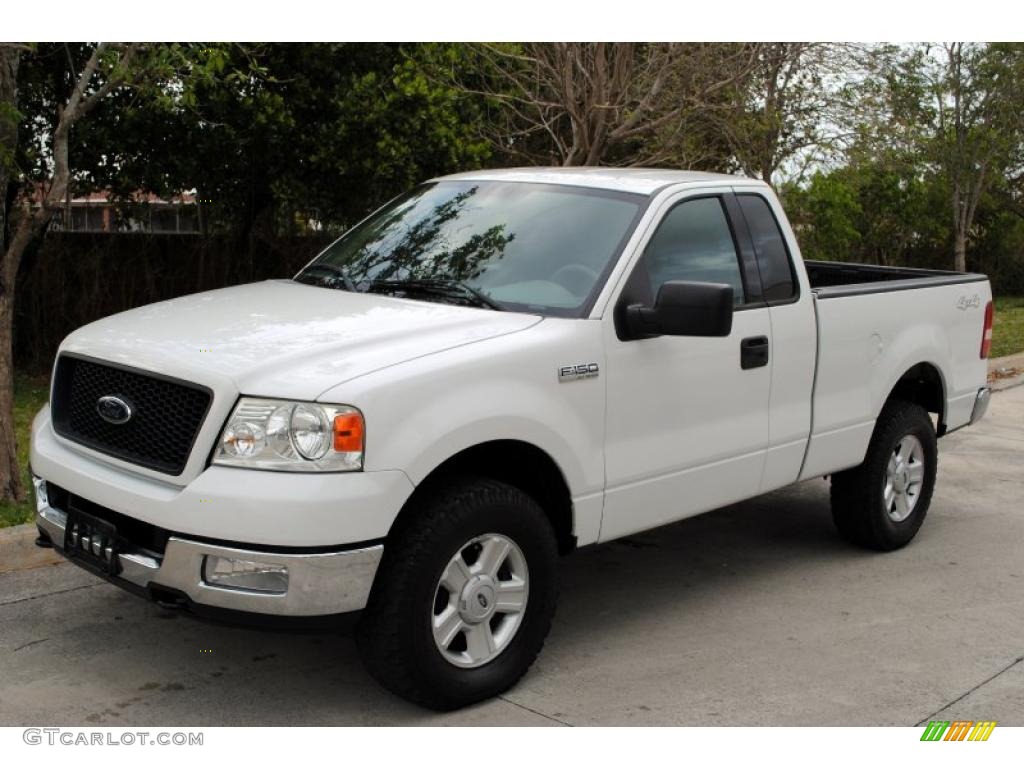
(333, 270)
(441, 286)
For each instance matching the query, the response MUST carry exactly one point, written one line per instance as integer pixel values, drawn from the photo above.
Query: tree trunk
(11, 485)
(960, 251)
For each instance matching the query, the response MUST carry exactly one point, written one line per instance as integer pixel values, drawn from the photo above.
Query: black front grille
(166, 413)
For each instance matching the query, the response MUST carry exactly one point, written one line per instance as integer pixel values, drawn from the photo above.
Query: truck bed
(838, 278)
(875, 324)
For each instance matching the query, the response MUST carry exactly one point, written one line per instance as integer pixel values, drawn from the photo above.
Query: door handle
(753, 352)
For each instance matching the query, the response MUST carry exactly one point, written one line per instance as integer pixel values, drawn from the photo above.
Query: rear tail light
(986, 336)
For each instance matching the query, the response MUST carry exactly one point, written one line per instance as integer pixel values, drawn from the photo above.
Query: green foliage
(998, 249)
(279, 139)
(270, 136)
(362, 123)
(952, 114)
(878, 212)
(826, 215)
(155, 83)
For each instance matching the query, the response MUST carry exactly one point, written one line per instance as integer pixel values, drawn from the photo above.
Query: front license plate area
(91, 540)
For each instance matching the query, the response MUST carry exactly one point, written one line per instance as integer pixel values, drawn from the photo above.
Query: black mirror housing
(684, 309)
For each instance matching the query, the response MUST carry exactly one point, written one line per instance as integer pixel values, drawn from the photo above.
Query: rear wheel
(882, 503)
(464, 597)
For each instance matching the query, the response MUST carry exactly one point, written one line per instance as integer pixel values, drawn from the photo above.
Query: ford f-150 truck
(492, 370)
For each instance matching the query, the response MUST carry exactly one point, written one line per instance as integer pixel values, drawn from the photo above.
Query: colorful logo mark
(958, 730)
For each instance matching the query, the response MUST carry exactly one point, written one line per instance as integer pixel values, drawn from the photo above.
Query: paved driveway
(755, 614)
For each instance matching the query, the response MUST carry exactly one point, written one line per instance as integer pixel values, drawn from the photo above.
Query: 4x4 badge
(972, 302)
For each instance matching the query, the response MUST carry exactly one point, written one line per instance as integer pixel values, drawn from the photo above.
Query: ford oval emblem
(113, 409)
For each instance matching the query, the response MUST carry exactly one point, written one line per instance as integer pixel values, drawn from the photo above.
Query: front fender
(421, 413)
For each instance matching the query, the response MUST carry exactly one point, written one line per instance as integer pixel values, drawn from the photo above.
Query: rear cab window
(775, 263)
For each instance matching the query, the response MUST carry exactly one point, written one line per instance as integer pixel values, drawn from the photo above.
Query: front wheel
(465, 595)
(882, 503)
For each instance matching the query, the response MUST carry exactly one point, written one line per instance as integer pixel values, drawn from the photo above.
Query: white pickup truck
(492, 370)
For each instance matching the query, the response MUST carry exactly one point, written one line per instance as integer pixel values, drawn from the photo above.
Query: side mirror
(684, 309)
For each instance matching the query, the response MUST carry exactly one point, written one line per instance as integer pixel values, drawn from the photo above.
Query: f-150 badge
(574, 372)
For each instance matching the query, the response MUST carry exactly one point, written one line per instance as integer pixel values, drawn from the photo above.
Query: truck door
(687, 417)
(794, 337)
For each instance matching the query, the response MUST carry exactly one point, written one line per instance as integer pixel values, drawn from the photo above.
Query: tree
(594, 103)
(10, 472)
(286, 135)
(978, 93)
(872, 210)
(364, 122)
(958, 105)
(101, 69)
(106, 68)
(825, 214)
(788, 107)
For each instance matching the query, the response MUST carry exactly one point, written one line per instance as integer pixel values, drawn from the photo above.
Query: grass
(30, 395)
(1008, 326)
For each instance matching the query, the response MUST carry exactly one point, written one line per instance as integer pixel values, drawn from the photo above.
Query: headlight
(290, 436)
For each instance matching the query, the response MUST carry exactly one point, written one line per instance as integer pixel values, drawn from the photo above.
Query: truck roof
(638, 180)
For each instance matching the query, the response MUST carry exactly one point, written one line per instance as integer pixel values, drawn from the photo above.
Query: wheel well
(519, 464)
(922, 384)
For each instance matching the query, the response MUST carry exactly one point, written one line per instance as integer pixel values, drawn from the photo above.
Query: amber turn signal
(348, 433)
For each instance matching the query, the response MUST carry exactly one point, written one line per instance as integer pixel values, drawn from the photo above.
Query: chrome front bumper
(318, 584)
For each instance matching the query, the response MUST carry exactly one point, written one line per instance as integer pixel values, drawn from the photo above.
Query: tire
(860, 507)
(396, 633)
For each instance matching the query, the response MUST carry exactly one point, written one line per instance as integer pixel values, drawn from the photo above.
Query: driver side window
(694, 242)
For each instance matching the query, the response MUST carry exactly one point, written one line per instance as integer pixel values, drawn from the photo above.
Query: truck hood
(284, 339)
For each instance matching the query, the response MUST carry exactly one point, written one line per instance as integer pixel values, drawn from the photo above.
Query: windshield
(519, 246)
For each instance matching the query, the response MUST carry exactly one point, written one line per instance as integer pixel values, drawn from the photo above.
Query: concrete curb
(18, 550)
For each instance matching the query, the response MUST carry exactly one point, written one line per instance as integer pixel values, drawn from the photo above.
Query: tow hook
(168, 598)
